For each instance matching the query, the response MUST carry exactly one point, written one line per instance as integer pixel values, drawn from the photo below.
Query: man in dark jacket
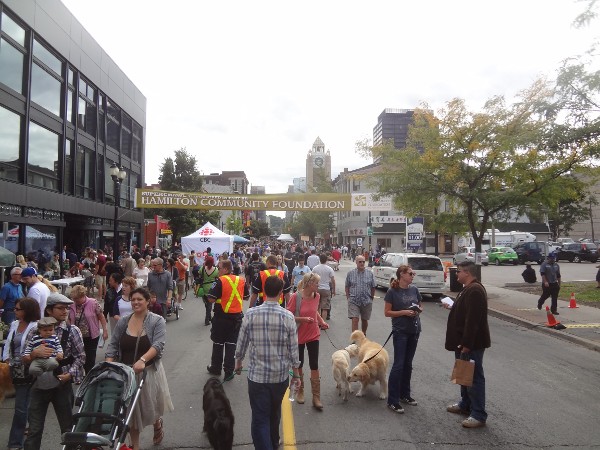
(468, 335)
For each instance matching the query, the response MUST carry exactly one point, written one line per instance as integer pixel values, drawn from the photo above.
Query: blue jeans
(61, 398)
(19, 422)
(405, 346)
(473, 398)
(265, 402)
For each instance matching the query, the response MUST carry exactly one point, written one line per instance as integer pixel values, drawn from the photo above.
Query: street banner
(151, 198)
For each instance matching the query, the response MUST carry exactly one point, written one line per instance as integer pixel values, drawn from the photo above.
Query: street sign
(369, 231)
(166, 232)
(359, 242)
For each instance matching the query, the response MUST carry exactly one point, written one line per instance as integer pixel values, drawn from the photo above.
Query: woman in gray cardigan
(138, 340)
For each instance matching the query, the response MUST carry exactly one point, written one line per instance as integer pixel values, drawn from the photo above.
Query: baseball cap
(551, 255)
(58, 299)
(29, 272)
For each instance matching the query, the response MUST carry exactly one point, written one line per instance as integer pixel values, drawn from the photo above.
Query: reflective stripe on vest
(264, 274)
(229, 291)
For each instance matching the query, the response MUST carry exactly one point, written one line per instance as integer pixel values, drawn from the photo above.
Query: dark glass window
(43, 159)
(124, 190)
(68, 172)
(87, 116)
(46, 57)
(109, 184)
(45, 89)
(134, 180)
(126, 136)
(70, 105)
(85, 172)
(112, 134)
(11, 66)
(12, 29)
(101, 125)
(10, 137)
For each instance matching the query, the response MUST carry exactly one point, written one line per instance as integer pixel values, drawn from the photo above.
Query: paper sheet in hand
(448, 301)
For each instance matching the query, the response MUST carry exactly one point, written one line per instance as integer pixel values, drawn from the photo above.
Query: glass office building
(67, 113)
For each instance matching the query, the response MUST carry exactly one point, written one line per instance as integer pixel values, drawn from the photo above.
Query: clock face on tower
(318, 161)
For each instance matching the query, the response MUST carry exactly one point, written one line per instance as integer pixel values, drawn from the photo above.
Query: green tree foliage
(181, 174)
(483, 164)
(234, 224)
(258, 229)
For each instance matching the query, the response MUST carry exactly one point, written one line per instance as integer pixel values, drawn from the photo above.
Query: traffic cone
(573, 303)
(551, 320)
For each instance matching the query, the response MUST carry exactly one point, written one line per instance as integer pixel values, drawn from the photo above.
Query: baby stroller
(106, 399)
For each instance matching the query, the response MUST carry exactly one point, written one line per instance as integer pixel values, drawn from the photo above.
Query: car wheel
(576, 259)
(485, 264)
(571, 259)
(497, 262)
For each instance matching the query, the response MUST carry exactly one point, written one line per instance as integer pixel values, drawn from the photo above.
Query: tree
(181, 174)
(234, 224)
(258, 229)
(483, 164)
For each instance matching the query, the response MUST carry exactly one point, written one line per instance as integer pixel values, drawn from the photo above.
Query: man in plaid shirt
(360, 291)
(270, 332)
(55, 388)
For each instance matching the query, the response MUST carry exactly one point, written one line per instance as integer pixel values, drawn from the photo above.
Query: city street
(541, 391)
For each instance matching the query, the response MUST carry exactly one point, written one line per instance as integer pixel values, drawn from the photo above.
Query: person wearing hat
(45, 336)
(550, 272)
(55, 387)
(37, 290)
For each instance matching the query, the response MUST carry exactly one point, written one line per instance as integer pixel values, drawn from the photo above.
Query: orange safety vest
(232, 288)
(264, 274)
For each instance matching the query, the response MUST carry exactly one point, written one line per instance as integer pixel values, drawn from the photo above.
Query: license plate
(425, 277)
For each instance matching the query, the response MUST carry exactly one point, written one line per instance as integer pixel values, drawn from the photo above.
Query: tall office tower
(318, 165)
(259, 215)
(393, 124)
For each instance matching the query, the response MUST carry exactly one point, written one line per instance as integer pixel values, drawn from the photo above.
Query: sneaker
(409, 401)
(471, 422)
(397, 408)
(212, 371)
(456, 409)
(180, 308)
(539, 307)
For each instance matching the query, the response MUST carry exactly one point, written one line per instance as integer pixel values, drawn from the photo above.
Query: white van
(430, 276)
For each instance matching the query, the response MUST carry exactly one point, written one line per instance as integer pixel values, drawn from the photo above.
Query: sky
(249, 85)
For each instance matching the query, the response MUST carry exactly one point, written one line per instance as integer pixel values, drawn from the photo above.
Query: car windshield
(425, 263)
(506, 250)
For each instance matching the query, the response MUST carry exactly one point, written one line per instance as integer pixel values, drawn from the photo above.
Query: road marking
(527, 309)
(583, 325)
(287, 418)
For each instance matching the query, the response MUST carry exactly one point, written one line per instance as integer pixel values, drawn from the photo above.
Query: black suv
(531, 251)
(579, 251)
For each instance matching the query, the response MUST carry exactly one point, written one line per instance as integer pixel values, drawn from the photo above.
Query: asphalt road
(542, 392)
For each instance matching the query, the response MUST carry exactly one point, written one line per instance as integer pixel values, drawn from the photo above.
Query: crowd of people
(53, 339)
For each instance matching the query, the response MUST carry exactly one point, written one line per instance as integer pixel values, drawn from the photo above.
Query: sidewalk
(583, 323)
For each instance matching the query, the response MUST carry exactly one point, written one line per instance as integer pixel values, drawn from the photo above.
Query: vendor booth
(207, 236)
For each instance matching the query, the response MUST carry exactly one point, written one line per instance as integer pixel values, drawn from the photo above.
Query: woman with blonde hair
(47, 283)
(21, 262)
(87, 315)
(304, 304)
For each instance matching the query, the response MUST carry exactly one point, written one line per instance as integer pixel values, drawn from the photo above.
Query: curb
(590, 345)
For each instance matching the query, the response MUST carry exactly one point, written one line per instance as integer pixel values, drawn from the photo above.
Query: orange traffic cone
(551, 320)
(573, 303)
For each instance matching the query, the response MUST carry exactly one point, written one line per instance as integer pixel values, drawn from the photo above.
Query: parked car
(468, 254)
(578, 251)
(430, 276)
(500, 255)
(531, 252)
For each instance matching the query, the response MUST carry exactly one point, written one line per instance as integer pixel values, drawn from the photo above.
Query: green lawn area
(585, 292)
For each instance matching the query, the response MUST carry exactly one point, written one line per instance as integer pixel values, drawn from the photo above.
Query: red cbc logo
(206, 232)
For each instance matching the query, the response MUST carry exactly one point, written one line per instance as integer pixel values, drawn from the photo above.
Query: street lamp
(118, 174)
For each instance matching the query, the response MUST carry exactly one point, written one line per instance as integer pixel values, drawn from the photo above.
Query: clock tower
(318, 165)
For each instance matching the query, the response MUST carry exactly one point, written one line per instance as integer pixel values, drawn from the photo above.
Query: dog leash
(386, 341)
(327, 334)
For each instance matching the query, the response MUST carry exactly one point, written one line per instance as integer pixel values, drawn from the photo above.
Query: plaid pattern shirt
(270, 332)
(360, 285)
(74, 347)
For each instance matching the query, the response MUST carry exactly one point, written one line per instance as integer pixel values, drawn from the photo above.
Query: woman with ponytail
(403, 305)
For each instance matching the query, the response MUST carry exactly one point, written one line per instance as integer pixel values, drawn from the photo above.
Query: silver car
(468, 254)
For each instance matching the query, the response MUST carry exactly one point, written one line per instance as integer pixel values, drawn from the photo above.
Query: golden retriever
(373, 370)
(6, 387)
(340, 365)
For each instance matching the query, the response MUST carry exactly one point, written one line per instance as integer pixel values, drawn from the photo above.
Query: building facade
(67, 114)
(392, 124)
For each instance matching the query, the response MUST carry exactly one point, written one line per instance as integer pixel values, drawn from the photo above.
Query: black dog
(218, 417)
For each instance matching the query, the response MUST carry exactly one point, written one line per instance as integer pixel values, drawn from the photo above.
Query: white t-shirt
(40, 292)
(326, 273)
(312, 261)
(142, 274)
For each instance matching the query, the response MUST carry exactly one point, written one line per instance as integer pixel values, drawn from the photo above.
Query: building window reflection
(40, 243)
(46, 73)
(10, 137)
(12, 241)
(43, 157)
(11, 66)
(68, 171)
(85, 172)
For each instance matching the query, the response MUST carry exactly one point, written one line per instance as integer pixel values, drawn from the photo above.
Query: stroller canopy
(113, 371)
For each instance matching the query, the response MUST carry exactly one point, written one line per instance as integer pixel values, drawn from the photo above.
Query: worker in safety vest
(257, 285)
(227, 293)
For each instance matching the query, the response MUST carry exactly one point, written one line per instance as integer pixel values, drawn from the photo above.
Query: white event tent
(207, 236)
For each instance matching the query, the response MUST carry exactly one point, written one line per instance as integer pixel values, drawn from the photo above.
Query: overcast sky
(249, 85)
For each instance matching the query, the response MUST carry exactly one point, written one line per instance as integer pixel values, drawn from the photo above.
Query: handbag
(463, 371)
(200, 287)
(19, 373)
